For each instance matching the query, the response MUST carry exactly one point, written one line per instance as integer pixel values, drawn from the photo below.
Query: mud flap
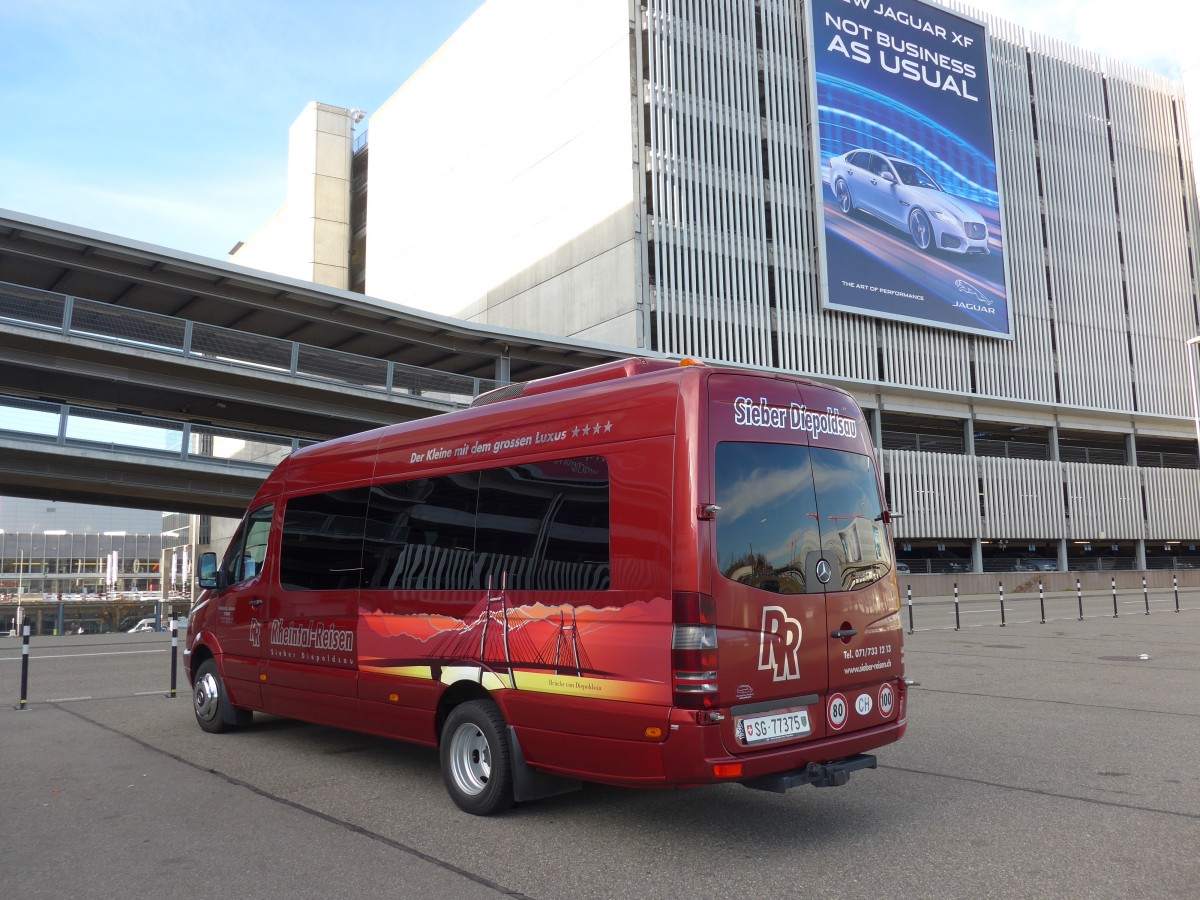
(529, 783)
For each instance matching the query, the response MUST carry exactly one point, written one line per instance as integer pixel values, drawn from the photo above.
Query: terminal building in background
(989, 237)
(49, 548)
(68, 568)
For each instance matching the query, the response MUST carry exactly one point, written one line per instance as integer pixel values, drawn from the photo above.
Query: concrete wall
(503, 173)
(583, 289)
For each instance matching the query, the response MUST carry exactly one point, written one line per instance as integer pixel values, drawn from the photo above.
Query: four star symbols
(591, 428)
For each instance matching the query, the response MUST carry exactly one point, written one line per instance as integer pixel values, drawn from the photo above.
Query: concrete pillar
(319, 190)
(976, 555)
(1056, 457)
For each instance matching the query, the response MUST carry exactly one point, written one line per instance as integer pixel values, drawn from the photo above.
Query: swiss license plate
(777, 727)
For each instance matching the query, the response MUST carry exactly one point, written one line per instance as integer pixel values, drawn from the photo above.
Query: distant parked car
(143, 625)
(1036, 564)
(903, 194)
(902, 568)
(944, 562)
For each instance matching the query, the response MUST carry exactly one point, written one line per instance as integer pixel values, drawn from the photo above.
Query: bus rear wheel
(476, 763)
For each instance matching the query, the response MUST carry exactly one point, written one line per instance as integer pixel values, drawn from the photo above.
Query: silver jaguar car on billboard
(906, 196)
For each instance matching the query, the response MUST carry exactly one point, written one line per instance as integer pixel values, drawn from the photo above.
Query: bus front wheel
(214, 712)
(476, 763)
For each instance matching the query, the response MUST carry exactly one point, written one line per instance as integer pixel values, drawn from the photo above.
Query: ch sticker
(779, 644)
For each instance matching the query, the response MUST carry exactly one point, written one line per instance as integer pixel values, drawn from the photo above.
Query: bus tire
(476, 762)
(214, 712)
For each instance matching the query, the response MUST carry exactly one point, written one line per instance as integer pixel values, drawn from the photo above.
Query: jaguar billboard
(910, 212)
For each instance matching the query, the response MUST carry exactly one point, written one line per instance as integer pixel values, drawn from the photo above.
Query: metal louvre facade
(1022, 497)
(1099, 233)
(707, 185)
(1024, 367)
(937, 494)
(964, 497)
(1171, 503)
(1104, 501)
(1095, 191)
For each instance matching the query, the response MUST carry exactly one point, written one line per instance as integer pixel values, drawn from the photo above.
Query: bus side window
(321, 544)
(420, 533)
(248, 548)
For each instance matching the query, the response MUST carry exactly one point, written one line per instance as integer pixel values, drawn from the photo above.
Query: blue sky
(166, 120)
(1158, 35)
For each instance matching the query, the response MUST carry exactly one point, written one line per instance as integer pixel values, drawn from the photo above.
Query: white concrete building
(644, 172)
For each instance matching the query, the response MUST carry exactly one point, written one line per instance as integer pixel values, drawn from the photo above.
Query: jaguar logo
(965, 287)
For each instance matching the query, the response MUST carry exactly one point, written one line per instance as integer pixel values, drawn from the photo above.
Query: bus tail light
(694, 651)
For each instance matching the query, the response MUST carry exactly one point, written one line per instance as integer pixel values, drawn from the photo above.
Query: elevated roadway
(99, 333)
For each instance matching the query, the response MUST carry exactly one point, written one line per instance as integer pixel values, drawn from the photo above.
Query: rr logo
(779, 644)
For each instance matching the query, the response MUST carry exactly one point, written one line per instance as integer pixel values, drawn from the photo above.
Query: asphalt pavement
(1042, 760)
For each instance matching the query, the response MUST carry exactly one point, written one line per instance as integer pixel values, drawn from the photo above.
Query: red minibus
(649, 573)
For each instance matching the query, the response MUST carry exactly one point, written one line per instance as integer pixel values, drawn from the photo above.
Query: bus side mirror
(206, 572)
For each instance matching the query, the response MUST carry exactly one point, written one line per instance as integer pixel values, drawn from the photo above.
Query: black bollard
(910, 611)
(1175, 581)
(174, 657)
(1145, 595)
(1002, 604)
(24, 668)
(1042, 601)
(1079, 594)
(957, 621)
(1114, 589)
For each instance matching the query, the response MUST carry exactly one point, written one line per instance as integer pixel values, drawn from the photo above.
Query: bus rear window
(785, 507)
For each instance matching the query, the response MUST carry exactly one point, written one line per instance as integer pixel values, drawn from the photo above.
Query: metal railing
(67, 425)
(156, 333)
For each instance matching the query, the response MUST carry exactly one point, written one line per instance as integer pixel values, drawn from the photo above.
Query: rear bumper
(693, 753)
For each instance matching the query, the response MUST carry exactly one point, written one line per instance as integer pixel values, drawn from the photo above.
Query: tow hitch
(831, 774)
